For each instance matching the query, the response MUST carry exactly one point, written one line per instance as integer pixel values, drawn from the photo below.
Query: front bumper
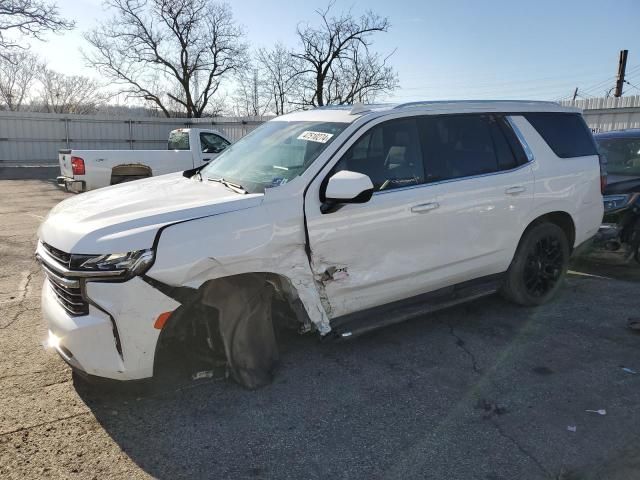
(84, 342)
(71, 184)
(115, 336)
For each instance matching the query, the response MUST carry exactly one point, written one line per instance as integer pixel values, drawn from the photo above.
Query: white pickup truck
(187, 148)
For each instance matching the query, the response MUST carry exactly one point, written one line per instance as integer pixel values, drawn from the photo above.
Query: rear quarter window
(178, 140)
(566, 134)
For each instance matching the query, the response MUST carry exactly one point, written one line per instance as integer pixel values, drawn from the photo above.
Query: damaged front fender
(192, 253)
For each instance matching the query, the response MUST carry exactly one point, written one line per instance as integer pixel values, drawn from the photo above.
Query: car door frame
(199, 156)
(312, 199)
(497, 258)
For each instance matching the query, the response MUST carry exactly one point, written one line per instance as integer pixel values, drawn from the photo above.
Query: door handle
(425, 207)
(515, 190)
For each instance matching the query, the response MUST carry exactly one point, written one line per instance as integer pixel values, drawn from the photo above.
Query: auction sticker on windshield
(320, 137)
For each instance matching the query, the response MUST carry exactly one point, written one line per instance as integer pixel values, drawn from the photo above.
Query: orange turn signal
(161, 320)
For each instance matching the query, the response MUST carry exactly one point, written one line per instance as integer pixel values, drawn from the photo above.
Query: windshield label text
(319, 137)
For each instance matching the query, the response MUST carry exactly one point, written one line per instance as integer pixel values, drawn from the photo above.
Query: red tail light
(603, 174)
(77, 165)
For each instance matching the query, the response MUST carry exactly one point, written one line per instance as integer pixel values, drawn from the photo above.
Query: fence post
(66, 132)
(130, 134)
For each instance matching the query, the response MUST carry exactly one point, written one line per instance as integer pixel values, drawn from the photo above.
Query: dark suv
(620, 153)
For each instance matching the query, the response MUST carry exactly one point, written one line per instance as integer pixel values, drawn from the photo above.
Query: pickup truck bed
(82, 170)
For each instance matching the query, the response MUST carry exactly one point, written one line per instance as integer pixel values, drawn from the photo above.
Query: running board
(358, 323)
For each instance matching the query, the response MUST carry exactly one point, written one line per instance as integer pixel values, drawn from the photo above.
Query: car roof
(350, 113)
(627, 133)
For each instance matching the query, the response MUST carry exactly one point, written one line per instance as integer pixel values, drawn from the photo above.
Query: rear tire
(539, 266)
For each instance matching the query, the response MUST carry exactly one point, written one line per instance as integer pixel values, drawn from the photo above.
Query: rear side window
(566, 134)
(178, 140)
(504, 151)
(459, 146)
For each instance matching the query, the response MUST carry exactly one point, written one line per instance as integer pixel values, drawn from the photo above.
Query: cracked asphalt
(484, 390)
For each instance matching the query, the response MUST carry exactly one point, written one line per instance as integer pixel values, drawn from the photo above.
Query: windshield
(273, 154)
(622, 155)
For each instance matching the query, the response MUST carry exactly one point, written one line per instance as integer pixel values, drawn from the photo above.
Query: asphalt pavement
(486, 390)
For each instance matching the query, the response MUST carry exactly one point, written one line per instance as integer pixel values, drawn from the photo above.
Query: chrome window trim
(525, 146)
(450, 180)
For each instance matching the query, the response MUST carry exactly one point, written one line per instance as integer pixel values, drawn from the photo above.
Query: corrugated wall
(35, 138)
(605, 114)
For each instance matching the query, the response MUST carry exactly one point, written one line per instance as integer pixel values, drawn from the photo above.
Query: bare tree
(31, 18)
(359, 79)
(281, 71)
(251, 97)
(338, 64)
(17, 76)
(69, 93)
(168, 51)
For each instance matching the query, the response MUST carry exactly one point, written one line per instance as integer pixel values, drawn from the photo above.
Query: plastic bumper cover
(84, 342)
(88, 342)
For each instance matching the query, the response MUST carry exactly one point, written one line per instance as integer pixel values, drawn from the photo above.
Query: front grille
(62, 257)
(68, 289)
(70, 298)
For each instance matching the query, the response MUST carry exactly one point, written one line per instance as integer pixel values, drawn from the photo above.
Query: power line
(631, 84)
(532, 82)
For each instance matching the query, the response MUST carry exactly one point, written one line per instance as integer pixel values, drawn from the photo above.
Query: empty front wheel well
(230, 321)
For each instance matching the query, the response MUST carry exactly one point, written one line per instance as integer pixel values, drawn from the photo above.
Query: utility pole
(575, 94)
(622, 67)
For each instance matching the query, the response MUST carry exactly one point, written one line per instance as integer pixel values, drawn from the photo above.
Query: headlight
(614, 202)
(132, 263)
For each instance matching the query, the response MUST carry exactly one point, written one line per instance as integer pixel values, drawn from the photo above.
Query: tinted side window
(458, 146)
(566, 134)
(211, 143)
(504, 154)
(389, 154)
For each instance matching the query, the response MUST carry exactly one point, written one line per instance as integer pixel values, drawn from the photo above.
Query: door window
(503, 150)
(212, 143)
(458, 146)
(389, 154)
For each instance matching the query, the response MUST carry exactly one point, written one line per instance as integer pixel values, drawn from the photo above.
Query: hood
(126, 217)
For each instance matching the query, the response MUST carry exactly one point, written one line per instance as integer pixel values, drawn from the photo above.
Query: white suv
(346, 218)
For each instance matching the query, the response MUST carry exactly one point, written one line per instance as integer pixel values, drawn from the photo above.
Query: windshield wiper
(236, 187)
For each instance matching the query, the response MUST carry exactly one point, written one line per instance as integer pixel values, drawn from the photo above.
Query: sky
(444, 49)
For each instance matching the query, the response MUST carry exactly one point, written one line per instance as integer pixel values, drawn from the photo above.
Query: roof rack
(426, 103)
(356, 108)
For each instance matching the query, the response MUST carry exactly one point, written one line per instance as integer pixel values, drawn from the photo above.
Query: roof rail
(440, 102)
(355, 108)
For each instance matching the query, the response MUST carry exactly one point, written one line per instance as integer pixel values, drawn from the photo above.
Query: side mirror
(346, 187)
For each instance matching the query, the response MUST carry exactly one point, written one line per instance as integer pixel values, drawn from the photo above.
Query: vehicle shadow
(331, 404)
(479, 381)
